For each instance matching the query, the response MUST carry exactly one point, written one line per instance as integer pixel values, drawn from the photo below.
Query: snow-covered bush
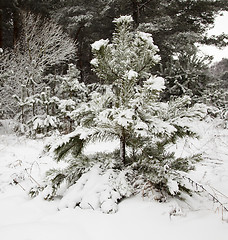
(97, 189)
(43, 45)
(51, 108)
(43, 124)
(216, 97)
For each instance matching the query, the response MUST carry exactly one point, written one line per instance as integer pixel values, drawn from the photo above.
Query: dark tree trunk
(135, 8)
(123, 146)
(1, 29)
(17, 25)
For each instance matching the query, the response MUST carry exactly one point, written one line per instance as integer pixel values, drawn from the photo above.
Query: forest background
(177, 27)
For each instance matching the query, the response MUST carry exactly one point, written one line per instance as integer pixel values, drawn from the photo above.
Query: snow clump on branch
(123, 19)
(131, 74)
(147, 37)
(99, 44)
(155, 83)
(94, 62)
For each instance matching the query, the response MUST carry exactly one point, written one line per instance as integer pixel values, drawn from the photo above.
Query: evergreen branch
(75, 144)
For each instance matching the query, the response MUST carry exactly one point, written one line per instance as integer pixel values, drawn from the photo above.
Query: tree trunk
(135, 8)
(123, 147)
(33, 109)
(16, 25)
(22, 114)
(1, 34)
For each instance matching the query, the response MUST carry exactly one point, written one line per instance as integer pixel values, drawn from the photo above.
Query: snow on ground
(23, 218)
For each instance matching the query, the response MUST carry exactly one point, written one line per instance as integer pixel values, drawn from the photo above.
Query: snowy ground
(23, 218)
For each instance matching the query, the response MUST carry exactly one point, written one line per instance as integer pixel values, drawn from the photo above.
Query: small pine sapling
(128, 107)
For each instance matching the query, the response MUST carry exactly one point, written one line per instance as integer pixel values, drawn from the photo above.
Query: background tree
(10, 23)
(42, 46)
(215, 93)
(176, 26)
(173, 24)
(220, 70)
(168, 21)
(186, 74)
(85, 23)
(37, 7)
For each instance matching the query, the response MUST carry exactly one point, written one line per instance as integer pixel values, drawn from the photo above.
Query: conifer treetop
(129, 51)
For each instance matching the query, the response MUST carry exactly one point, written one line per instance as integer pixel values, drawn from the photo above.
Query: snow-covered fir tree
(54, 105)
(128, 108)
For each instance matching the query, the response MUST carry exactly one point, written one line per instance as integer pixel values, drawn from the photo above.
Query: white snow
(94, 191)
(196, 218)
(122, 19)
(94, 62)
(100, 43)
(64, 103)
(131, 74)
(124, 117)
(147, 37)
(173, 187)
(155, 83)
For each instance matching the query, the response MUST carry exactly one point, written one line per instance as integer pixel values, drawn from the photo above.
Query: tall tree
(85, 23)
(1, 28)
(9, 32)
(166, 20)
(173, 23)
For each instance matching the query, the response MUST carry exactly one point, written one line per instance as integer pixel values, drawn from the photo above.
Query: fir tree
(124, 63)
(128, 108)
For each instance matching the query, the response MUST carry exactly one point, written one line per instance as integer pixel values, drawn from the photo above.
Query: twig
(91, 206)
(185, 142)
(17, 183)
(30, 176)
(214, 189)
(214, 198)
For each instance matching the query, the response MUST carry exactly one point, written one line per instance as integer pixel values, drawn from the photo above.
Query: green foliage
(128, 108)
(161, 168)
(77, 166)
(186, 74)
(74, 144)
(216, 92)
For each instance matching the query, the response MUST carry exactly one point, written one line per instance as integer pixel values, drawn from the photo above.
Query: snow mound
(97, 190)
